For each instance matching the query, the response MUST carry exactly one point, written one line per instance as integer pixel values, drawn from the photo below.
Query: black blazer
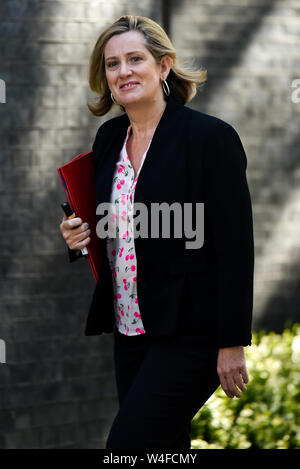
(208, 292)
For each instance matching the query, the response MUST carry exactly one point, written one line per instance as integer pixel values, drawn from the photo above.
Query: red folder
(77, 177)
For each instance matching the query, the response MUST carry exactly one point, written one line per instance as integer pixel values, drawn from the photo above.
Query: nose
(124, 69)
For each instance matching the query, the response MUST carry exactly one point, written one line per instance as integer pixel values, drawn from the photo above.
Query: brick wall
(250, 49)
(57, 388)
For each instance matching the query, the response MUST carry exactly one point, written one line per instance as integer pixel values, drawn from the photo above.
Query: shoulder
(207, 126)
(109, 127)
(218, 139)
(106, 136)
(213, 134)
(115, 122)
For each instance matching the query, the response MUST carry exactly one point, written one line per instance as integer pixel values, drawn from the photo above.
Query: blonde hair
(182, 81)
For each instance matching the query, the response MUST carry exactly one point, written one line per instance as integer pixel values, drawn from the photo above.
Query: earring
(112, 98)
(166, 87)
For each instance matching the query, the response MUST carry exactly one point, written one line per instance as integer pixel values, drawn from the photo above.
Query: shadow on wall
(58, 387)
(277, 276)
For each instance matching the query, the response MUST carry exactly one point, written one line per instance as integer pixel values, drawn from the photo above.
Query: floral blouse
(120, 245)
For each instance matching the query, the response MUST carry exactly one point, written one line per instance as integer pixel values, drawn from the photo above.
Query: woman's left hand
(232, 370)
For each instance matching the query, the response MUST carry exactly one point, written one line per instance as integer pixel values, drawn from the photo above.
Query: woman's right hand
(76, 238)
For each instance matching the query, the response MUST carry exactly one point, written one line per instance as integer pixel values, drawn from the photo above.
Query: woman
(181, 316)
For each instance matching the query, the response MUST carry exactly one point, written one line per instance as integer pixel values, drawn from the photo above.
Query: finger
(239, 382)
(244, 374)
(82, 244)
(75, 222)
(71, 224)
(62, 225)
(82, 236)
(78, 234)
(232, 387)
(79, 240)
(225, 385)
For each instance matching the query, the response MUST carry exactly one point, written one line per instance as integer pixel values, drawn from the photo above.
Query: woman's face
(132, 73)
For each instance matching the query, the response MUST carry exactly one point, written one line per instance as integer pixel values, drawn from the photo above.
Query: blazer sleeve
(229, 212)
(74, 254)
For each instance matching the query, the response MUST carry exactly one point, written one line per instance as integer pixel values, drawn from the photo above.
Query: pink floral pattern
(121, 249)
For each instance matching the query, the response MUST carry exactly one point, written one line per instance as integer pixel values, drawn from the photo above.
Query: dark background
(57, 388)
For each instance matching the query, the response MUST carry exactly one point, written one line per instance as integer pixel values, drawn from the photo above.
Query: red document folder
(77, 177)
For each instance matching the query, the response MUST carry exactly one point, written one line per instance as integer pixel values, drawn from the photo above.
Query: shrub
(267, 416)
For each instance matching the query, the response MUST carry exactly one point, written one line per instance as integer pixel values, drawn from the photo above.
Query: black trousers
(162, 382)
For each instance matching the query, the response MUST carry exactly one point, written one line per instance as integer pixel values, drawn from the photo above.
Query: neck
(144, 118)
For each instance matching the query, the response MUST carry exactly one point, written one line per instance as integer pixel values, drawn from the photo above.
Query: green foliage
(267, 416)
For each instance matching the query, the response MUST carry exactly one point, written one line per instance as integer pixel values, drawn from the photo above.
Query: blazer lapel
(105, 169)
(154, 169)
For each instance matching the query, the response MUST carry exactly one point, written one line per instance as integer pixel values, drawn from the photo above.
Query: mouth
(129, 85)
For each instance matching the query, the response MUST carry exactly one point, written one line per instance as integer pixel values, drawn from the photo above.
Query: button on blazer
(208, 291)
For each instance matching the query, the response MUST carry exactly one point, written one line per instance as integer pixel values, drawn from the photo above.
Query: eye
(112, 64)
(136, 59)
